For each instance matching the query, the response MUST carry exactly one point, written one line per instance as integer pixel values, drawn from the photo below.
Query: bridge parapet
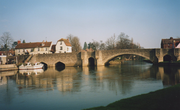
(107, 55)
(103, 56)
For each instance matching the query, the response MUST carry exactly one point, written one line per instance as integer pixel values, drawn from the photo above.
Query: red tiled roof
(33, 45)
(66, 41)
(5, 52)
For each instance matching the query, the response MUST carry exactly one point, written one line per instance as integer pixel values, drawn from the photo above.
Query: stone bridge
(101, 57)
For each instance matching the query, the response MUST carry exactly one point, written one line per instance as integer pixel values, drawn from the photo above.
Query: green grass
(165, 99)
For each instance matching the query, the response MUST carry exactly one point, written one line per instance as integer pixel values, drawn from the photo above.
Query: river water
(78, 88)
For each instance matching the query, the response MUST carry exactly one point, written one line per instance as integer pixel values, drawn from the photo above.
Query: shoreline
(163, 99)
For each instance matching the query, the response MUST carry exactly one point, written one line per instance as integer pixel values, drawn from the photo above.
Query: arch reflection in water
(170, 75)
(104, 84)
(116, 76)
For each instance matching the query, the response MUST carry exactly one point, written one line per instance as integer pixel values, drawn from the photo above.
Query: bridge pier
(84, 58)
(159, 55)
(98, 55)
(177, 54)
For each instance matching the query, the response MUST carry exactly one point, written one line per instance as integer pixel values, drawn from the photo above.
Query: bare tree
(75, 42)
(6, 40)
(102, 45)
(96, 45)
(111, 42)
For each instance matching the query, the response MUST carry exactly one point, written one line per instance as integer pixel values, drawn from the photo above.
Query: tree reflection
(116, 78)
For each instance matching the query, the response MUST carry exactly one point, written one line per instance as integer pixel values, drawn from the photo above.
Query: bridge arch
(59, 66)
(115, 55)
(169, 58)
(45, 65)
(91, 61)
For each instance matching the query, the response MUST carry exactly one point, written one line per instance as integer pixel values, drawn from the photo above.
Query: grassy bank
(165, 99)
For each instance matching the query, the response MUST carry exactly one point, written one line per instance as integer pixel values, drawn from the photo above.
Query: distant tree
(96, 45)
(91, 45)
(75, 42)
(24, 41)
(123, 41)
(102, 46)
(85, 46)
(111, 42)
(14, 44)
(6, 40)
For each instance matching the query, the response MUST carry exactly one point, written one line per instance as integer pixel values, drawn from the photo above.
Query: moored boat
(29, 66)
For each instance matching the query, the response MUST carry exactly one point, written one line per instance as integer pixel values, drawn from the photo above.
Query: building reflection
(49, 79)
(72, 79)
(4, 76)
(169, 75)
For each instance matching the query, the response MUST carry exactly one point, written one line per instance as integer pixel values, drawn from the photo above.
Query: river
(76, 88)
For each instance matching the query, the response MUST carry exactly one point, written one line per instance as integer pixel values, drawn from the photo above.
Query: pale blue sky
(146, 21)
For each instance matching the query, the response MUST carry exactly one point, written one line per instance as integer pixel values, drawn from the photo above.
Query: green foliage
(24, 41)
(85, 46)
(91, 45)
(14, 44)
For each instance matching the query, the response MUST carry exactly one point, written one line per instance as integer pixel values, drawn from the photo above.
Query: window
(18, 50)
(61, 48)
(32, 50)
(46, 49)
(60, 42)
(38, 49)
(67, 49)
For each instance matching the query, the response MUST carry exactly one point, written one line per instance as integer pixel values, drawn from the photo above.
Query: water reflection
(4, 76)
(102, 83)
(115, 77)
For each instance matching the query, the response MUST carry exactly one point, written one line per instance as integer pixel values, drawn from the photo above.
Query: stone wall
(103, 56)
(8, 67)
(69, 59)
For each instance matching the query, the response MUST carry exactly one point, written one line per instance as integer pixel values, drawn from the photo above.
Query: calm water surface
(79, 88)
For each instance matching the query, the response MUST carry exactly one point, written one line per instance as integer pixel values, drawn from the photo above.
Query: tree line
(121, 41)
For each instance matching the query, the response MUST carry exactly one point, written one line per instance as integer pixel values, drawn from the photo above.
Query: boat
(29, 66)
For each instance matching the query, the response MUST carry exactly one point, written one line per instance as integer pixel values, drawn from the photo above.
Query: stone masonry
(101, 57)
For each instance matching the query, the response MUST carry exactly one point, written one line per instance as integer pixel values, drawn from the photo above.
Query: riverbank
(8, 67)
(164, 99)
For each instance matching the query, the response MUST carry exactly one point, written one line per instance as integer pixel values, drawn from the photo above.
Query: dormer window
(42, 44)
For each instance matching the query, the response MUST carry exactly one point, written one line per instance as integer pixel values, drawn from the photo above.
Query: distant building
(63, 46)
(170, 43)
(33, 48)
(3, 56)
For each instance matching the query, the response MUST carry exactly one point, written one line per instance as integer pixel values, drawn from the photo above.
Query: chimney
(18, 42)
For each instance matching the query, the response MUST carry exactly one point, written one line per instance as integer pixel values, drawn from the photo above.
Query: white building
(2, 59)
(63, 46)
(33, 48)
